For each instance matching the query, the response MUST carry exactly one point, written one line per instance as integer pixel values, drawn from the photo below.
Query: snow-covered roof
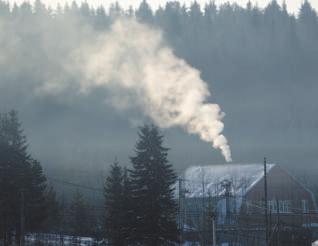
(210, 179)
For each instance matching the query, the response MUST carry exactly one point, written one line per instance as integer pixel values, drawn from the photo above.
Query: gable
(281, 186)
(209, 180)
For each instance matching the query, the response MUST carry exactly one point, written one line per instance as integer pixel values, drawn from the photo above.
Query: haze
(261, 67)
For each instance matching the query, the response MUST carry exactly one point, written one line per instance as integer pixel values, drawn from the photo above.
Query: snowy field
(55, 239)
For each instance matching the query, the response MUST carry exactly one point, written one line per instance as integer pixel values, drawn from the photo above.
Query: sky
(293, 5)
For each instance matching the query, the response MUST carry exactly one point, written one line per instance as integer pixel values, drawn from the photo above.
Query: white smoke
(132, 61)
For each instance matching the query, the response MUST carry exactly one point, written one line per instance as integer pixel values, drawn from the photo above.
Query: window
(284, 206)
(304, 206)
(272, 206)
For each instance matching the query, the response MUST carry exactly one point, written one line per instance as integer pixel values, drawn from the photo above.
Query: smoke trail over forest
(260, 65)
(132, 61)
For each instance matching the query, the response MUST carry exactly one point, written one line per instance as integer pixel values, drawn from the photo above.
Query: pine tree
(8, 185)
(40, 9)
(19, 174)
(35, 196)
(114, 213)
(54, 209)
(80, 220)
(144, 12)
(127, 212)
(152, 178)
(307, 15)
(308, 22)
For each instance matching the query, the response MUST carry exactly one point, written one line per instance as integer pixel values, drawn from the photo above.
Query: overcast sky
(293, 5)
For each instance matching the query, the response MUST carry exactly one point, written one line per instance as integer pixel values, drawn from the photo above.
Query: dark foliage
(152, 179)
(81, 220)
(117, 206)
(54, 219)
(23, 185)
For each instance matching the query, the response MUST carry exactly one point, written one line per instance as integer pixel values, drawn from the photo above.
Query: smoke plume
(133, 62)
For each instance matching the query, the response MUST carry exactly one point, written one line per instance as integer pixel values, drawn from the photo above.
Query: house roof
(210, 180)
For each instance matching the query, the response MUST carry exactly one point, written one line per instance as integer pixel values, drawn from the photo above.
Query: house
(233, 194)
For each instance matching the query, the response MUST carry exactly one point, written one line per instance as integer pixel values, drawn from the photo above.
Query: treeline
(204, 35)
(139, 206)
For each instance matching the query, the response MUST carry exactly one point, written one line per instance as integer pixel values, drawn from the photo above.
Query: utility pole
(203, 211)
(213, 229)
(181, 222)
(278, 223)
(227, 186)
(22, 219)
(266, 205)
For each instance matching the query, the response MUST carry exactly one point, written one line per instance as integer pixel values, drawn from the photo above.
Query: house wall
(247, 227)
(289, 193)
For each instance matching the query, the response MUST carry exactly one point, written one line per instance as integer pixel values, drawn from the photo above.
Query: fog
(261, 69)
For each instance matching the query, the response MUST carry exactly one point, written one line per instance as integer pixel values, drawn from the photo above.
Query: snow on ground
(55, 239)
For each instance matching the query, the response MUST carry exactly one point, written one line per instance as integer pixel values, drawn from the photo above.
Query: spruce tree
(152, 179)
(144, 12)
(54, 220)
(9, 196)
(20, 175)
(35, 189)
(127, 201)
(79, 216)
(114, 213)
